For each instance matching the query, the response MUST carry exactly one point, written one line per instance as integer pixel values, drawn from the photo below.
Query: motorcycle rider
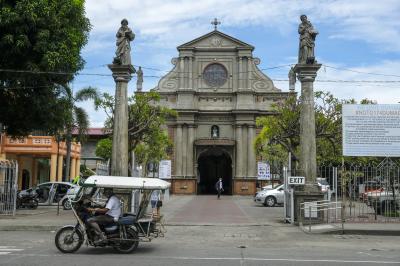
(109, 214)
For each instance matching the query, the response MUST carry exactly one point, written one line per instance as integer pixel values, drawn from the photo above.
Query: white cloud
(380, 91)
(170, 19)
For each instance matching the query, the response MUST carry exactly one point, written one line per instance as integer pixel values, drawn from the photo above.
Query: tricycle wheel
(68, 239)
(129, 246)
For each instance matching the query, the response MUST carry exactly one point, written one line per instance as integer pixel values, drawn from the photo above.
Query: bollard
(58, 207)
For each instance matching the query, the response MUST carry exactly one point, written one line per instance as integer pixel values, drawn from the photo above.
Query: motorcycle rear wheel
(129, 247)
(68, 239)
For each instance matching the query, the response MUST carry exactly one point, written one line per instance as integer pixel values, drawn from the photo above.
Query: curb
(372, 232)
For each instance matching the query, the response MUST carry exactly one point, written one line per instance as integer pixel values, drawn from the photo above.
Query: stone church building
(218, 91)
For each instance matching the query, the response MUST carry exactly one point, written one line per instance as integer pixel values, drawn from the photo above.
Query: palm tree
(76, 118)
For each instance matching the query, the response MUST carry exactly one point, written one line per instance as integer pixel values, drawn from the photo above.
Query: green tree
(104, 148)
(153, 148)
(40, 42)
(280, 133)
(76, 118)
(146, 120)
(145, 115)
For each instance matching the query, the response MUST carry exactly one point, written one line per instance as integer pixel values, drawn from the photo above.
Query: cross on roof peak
(215, 22)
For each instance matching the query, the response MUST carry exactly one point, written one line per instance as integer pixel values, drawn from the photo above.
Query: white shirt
(114, 207)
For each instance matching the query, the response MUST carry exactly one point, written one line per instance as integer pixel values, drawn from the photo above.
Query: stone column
(178, 147)
(60, 168)
(34, 171)
(190, 72)
(251, 157)
(307, 73)
(73, 169)
(181, 72)
(244, 152)
(190, 147)
(239, 152)
(240, 86)
(248, 75)
(53, 167)
(119, 158)
(184, 140)
(78, 166)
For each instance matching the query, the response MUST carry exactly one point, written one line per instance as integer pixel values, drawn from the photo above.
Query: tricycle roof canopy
(126, 182)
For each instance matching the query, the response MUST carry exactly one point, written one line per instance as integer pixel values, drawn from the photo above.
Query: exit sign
(296, 180)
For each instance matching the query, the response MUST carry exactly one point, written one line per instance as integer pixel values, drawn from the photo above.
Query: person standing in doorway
(219, 187)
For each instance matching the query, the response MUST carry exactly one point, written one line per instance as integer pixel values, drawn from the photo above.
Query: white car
(270, 197)
(71, 193)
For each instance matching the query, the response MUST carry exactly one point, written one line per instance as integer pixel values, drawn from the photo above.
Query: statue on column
(307, 41)
(292, 79)
(124, 36)
(139, 82)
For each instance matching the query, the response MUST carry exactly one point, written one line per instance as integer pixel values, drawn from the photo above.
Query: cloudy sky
(358, 42)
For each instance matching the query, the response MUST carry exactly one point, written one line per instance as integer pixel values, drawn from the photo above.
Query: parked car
(384, 200)
(71, 193)
(270, 197)
(369, 186)
(324, 186)
(50, 193)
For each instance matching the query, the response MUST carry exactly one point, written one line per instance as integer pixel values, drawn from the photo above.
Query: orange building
(40, 158)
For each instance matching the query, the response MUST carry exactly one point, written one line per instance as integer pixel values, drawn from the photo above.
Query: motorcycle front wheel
(68, 239)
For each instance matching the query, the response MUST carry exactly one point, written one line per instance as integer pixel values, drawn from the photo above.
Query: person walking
(219, 187)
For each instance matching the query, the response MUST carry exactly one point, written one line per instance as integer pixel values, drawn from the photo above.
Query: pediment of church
(215, 39)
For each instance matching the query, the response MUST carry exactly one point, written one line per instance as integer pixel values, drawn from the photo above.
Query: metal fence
(8, 187)
(320, 215)
(370, 193)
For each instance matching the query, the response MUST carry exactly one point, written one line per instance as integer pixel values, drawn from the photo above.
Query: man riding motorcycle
(109, 214)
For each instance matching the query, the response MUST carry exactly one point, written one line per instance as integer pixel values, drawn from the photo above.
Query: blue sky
(358, 35)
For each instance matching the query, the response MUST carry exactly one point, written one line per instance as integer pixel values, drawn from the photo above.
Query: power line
(361, 72)
(196, 78)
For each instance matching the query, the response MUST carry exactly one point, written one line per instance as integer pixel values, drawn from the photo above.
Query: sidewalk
(196, 211)
(44, 218)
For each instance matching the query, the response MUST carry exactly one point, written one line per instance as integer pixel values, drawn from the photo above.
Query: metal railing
(102, 169)
(321, 215)
(8, 187)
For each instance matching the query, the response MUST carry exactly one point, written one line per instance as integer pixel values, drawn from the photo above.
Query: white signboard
(371, 130)
(264, 172)
(164, 169)
(296, 180)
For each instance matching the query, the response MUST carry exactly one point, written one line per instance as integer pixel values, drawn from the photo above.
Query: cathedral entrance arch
(214, 163)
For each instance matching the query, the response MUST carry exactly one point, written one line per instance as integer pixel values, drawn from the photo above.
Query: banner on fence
(371, 130)
(264, 171)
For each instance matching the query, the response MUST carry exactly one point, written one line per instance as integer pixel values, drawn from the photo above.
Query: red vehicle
(370, 187)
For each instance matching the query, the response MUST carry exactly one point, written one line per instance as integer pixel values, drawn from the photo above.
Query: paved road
(206, 231)
(211, 245)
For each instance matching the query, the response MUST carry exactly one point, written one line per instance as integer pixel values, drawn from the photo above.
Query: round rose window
(215, 75)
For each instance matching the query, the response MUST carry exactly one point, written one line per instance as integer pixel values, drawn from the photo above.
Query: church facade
(218, 91)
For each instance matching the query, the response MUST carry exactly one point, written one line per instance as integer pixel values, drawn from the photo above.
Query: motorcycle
(27, 200)
(123, 235)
